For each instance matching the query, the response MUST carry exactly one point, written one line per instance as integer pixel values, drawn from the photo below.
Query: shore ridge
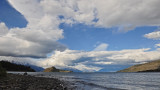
(27, 82)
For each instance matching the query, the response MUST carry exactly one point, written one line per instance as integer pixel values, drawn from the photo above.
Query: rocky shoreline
(26, 82)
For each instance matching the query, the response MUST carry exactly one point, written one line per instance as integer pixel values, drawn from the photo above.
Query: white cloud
(86, 68)
(109, 13)
(37, 39)
(101, 47)
(42, 31)
(29, 42)
(92, 60)
(103, 63)
(125, 14)
(31, 10)
(20, 60)
(89, 61)
(3, 29)
(153, 35)
(157, 45)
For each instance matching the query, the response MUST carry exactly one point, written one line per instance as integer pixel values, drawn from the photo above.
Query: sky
(84, 35)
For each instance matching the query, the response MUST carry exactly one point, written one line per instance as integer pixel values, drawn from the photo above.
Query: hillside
(2, 71)
(15, 67)
(153, 66)
(36, 68)
(53, 69)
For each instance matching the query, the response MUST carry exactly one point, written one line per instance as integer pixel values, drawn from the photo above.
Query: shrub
(2, 71)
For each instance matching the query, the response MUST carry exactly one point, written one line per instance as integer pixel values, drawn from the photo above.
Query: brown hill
(153, 66)
(53, 69)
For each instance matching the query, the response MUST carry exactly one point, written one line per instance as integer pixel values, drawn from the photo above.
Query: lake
(107, 81)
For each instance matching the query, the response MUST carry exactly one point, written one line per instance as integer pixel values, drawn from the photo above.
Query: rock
(25, 74)
(25, 82)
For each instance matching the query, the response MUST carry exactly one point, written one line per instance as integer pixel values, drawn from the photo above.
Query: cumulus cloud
(157, 45)
(96, 60)
(38, 38)
(3, 29)
(42, 31)
(92, 60)
(11, 46)
(104, 13)
(125, 14)
(27, 42)
(153, 35)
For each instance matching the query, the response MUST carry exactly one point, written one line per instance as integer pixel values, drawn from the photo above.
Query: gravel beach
(26, 82)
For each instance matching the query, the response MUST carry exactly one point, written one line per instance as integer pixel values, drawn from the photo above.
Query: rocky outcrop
(53, 69)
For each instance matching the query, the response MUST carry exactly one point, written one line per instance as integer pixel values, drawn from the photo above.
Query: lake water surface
(107, 81)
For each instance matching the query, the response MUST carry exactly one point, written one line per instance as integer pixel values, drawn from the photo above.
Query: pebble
(26, 82)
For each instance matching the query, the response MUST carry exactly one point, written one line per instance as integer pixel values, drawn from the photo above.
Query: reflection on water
(109, 81)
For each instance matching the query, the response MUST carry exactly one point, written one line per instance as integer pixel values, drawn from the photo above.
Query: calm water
(108, 81)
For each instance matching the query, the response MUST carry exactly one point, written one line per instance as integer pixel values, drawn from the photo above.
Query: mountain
(53, 69)
(36, 68)
(153, 66)
(15, 67)
(72, 69)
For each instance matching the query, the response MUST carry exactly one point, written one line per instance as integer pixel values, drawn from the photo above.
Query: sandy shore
(25, 82)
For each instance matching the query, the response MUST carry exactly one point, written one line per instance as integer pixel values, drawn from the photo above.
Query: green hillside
(2, 71)
(15, 67)
(153, 66)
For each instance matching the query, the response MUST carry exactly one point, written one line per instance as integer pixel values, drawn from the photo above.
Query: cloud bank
(92, 60)
(97, 60)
